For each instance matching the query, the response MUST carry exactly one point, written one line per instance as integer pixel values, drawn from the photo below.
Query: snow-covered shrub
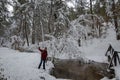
(64, 47)
(16, 42)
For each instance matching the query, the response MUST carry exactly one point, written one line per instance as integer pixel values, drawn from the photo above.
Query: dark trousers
(42, 61)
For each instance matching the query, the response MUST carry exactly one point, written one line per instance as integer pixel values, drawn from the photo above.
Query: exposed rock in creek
(77, 70)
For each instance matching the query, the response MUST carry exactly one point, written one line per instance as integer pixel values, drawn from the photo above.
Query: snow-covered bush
(64, 47)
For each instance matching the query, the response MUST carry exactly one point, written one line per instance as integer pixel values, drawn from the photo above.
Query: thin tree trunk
(26, 35)
(50, 17)
(91, 11)
(42, 32)
(82, 8)
(115, 21)
(33, 29)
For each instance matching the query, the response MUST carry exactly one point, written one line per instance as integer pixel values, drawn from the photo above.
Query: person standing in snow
(43, 57)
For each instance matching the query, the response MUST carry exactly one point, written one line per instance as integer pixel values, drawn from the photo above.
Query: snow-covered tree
(4, 16)
(112, 10)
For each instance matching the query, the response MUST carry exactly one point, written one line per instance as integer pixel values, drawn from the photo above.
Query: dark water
(78, 70)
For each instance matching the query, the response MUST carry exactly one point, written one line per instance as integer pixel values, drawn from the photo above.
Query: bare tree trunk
(91, 11)
(42, 32)
(33, 28)
(82, 11)
(50, 17)
(97, 28)
(115, 21)
(26, 35)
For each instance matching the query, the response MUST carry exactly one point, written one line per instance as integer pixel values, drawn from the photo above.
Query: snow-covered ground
(23, 66)
(96, 48)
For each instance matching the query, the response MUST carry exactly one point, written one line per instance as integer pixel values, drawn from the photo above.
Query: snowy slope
(96, 48)
(23, 66)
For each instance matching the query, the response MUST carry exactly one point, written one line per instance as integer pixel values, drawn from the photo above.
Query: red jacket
(43, 54)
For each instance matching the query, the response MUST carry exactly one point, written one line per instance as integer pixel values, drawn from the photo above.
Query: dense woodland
(34, 21)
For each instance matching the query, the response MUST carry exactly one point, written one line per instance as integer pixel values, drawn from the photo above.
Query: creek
(79, 70)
